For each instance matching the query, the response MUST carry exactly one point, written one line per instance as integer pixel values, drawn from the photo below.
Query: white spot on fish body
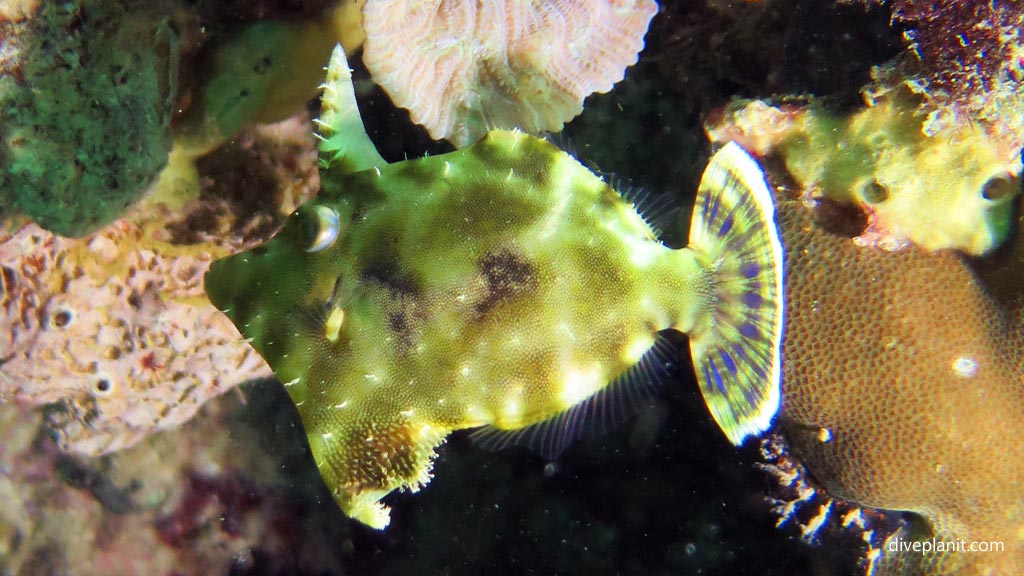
(580, 385)
(642, 252)
(476, 414)
(636, 349)
(567, 330)
(332, 327)
(512, 410)
(554, 217)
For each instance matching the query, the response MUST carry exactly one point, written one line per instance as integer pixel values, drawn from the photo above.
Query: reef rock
(113, 329)
(966, 59)
(84, 109)
(952, 190)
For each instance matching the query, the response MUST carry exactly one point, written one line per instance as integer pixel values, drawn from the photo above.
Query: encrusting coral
(113, 330)
(943, 191)
(262, 72)
(203, 499)
(966, 59)
(904, 387)
(462, 67)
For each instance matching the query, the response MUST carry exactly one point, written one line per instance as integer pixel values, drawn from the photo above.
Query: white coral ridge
(462, 67)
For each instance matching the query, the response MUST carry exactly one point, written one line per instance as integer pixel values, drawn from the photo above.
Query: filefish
(503, 287)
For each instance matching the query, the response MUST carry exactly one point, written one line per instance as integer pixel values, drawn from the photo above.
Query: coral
(965, 58)
(904, 385)
(84, 121)
(262, 72)
(963, 45)
(943, 191)
(113, 330)
(18, 10)
(822, 519)
(463, 67)
(203, 499)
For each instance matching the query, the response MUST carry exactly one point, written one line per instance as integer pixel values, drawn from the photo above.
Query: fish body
(502, 286)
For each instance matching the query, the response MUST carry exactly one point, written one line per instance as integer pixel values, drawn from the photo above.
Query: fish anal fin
(598, 413)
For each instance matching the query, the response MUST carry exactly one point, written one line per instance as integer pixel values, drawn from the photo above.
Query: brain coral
(461, 66)
(904, 385)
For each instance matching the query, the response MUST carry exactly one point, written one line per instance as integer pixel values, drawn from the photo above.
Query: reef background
(236, 492)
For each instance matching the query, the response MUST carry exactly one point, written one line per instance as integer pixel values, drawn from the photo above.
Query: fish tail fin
(737, 358)
(344, 144)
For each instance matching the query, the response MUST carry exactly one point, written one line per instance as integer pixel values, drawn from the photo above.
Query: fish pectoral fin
(737, 357)
(605, 409)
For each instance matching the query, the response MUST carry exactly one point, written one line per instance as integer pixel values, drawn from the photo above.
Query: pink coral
(460, 66)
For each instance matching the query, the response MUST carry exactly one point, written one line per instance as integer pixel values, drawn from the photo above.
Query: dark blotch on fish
(507, 274)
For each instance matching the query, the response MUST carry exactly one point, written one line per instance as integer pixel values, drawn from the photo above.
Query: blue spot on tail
(753, 300)
(718, 377)
(749, 330)
(726, 226)
(728, 362)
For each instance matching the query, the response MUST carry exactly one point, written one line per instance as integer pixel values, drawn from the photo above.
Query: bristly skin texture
(501, 286)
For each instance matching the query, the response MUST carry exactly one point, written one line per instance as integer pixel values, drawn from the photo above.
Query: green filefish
(504, 287)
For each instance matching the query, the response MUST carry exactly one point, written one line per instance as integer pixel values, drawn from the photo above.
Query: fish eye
(320, 228)
(873, 192)
(999, 187)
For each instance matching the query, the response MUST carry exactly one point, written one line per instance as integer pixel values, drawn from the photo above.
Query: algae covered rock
(84, 114)
(954, 190)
